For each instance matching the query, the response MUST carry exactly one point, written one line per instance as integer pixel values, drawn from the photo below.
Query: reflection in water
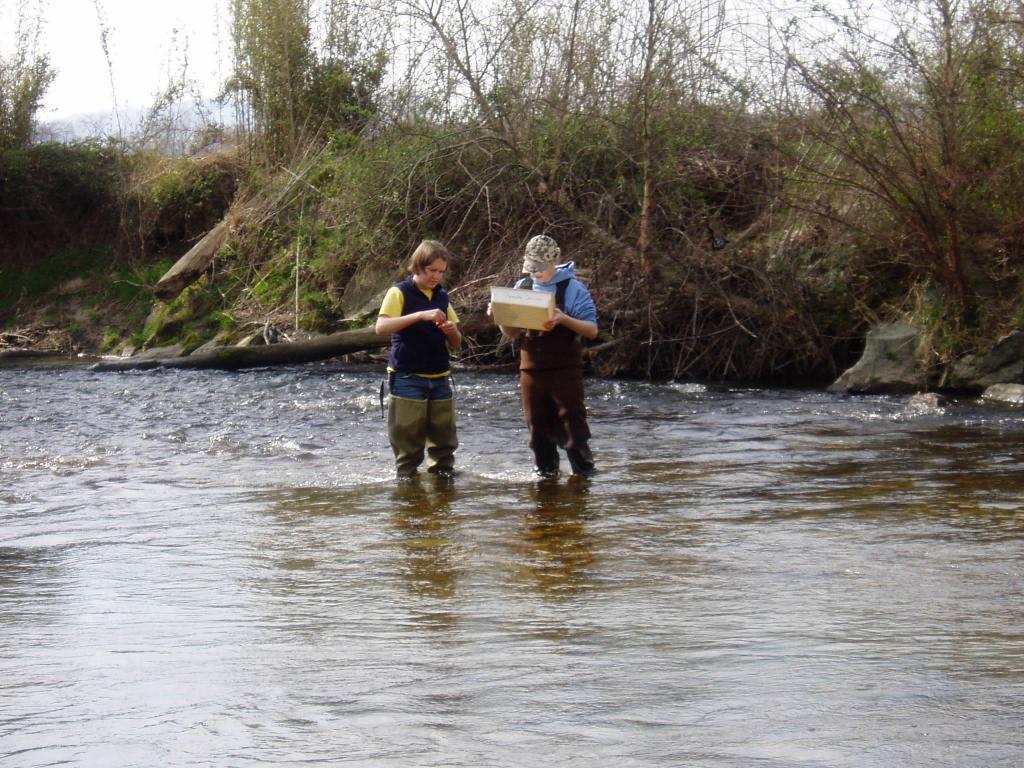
(422, 515)
(766, 578)
(31, 585)
(307, 537)
(557, 552)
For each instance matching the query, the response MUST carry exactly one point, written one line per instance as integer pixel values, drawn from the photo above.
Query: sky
(146, 41)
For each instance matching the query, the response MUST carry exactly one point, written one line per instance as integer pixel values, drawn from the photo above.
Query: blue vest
(422, 347)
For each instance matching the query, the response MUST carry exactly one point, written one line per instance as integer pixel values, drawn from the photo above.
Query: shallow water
(216, 569)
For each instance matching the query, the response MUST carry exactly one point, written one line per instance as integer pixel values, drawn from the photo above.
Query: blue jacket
(578, 302)
(560, 347)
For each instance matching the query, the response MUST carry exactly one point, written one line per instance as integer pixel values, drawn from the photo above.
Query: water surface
(217, 569)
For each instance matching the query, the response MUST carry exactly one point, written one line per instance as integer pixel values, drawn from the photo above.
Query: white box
(522, 308)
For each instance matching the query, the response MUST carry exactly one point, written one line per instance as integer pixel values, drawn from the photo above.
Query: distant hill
(171, 129)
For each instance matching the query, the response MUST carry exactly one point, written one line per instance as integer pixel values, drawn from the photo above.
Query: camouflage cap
(541, 252)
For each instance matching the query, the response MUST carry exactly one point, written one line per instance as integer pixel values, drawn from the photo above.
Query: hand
(555, 320)
(451, 330)
(490, 310)
(435, 316)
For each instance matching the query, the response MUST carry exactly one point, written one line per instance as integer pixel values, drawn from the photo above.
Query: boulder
(893, 362)
(365, 290)
(1004, 364)
(926, 403)
(1005, 393)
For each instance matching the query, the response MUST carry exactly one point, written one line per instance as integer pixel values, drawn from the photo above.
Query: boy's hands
(556, 319)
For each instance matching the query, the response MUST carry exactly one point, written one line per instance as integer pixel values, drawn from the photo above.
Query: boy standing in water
(551, 362)
(423, 325)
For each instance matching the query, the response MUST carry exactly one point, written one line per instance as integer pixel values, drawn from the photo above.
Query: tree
(920, 117)
(24, 78)
(534, 74)
(302, 70)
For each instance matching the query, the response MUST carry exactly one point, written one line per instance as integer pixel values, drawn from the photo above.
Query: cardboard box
(522, 308)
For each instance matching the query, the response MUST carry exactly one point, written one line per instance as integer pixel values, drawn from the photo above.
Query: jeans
(413, 387)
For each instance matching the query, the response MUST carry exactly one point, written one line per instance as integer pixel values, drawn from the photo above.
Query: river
(214, 569)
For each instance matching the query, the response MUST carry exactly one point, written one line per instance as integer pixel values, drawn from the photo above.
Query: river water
(214, 569)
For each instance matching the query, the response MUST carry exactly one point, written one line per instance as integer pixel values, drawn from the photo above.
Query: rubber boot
(407, 432)
(581, 460)
(442, 439)
(545, 458)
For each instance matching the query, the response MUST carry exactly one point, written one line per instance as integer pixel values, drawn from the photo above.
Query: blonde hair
(426, 253)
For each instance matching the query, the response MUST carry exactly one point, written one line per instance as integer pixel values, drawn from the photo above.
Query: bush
(177, 201)
(53, 194)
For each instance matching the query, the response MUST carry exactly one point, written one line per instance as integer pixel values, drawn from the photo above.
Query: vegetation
(744, 198)
(926, 128)
(24, 78)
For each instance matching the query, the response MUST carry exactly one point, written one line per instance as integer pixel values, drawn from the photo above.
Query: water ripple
(204, 568)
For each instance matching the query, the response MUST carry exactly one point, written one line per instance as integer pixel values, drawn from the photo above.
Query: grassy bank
(739, 279)
(746, 194)
(339, 222)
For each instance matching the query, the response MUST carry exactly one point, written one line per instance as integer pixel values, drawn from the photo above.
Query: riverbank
(755, 297)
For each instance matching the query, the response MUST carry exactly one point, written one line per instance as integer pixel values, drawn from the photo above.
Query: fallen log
(237, 358)
(21, 354)
(193, 264)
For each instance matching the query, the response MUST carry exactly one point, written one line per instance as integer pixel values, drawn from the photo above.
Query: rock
(365, 290)
(155, 353)
(926, 402)
(1004, 364)
(893, 362)
(1005, 393)
(222, 339)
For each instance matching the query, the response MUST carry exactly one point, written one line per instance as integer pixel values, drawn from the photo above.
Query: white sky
(147, 41)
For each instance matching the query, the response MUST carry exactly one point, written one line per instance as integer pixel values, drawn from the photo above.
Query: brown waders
(551, 385)
(557, 417)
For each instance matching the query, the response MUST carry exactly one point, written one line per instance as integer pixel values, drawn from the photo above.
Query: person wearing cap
(423, 326)
(551, 362)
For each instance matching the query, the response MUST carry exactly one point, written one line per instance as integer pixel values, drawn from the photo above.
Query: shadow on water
(449, 545)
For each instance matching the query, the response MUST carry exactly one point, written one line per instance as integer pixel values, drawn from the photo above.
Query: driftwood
(21, 354)
(193, 264)
(236, 358)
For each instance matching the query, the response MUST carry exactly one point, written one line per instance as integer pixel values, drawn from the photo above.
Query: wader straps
(387, 382)
(560, 288)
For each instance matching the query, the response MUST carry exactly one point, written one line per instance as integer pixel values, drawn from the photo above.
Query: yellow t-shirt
(394, 303)
(393, 306)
